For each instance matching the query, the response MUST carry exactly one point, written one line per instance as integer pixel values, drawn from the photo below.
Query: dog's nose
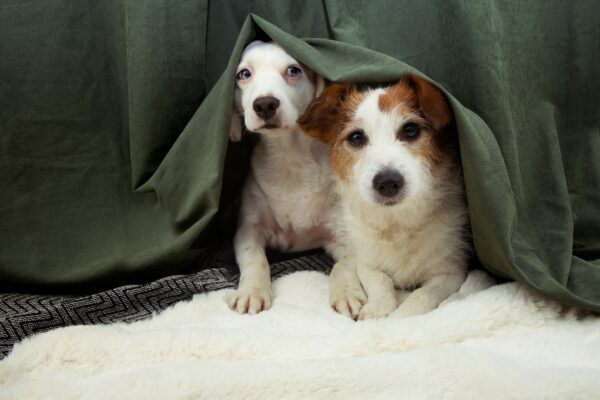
(388, 183)
(265, 107)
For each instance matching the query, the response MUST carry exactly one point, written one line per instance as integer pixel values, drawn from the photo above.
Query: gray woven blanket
(23, 315)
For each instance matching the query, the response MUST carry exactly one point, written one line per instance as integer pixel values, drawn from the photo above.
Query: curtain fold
(115, 162)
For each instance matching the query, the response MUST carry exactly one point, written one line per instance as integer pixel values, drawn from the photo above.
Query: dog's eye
(357, 138)
(410, 131)
(244, 74)
(293, 71)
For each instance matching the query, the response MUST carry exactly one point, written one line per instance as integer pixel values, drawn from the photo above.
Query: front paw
(347, 300)
(377, 309)
(251, 300)
(411, 307)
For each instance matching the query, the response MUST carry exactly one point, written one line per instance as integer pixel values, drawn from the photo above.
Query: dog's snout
(265, 107)
(388, 183)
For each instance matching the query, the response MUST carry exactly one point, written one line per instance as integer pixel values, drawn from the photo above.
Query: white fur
(416, 242)
(384, 151)
(498, 342)
(288, 192)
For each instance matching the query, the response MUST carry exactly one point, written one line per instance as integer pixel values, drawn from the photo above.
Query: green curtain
(114, 118)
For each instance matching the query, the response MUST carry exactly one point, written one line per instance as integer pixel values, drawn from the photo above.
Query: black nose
(265, 107)
(388, 183)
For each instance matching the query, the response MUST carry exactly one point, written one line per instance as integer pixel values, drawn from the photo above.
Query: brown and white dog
(401, 216)
(288, 194)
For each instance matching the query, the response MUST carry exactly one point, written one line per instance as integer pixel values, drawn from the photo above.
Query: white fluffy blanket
(496, 342)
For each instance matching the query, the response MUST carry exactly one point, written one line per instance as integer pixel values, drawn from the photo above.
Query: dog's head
(389, 145)
(272, 90)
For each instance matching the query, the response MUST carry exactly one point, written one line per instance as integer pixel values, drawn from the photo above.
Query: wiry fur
(414, 240)
(288, 192)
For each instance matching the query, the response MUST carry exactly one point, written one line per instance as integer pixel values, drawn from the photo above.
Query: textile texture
(498, 342)
(114, 157)
(23, 315)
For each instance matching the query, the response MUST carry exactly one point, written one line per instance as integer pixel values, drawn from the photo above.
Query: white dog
(401, 219)
(288, 193)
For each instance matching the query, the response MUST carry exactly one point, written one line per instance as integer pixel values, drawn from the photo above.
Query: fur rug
(486, 342)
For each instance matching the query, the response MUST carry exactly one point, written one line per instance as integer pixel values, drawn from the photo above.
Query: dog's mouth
(388, 201)
(270, 125)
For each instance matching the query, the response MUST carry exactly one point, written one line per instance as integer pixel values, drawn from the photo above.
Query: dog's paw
(349, 306)
(250, 301)
(410, 308)
(376, 310)
(347, 300)
(404, 312)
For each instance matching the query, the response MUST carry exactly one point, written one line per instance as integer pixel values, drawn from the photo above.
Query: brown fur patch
(428, 149)
(432, 103)
(324, 114)
(342, 155)
(414, 95)
(398, 95)
(342, 159)
(328, 116)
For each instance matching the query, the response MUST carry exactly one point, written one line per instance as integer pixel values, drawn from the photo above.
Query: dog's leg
(346, 295)
(254, 290)
(380, 291)
(429, 295)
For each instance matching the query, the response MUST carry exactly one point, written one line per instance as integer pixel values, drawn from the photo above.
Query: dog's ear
(319, 85)
(317, 80)
(235, 129)
(237, 113)
(324, 113)
(432, 102)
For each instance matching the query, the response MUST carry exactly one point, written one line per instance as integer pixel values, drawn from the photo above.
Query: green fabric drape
(114, 119)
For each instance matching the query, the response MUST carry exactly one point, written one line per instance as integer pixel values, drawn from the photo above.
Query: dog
(288, 194)
(400, 222)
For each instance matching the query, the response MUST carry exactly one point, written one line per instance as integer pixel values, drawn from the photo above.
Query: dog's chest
(298, 190)
(408, 256)
(298, 198)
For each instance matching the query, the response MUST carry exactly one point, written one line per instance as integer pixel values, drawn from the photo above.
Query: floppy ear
(235, 129)
(432, 102)
(324, 113)
(319, 85)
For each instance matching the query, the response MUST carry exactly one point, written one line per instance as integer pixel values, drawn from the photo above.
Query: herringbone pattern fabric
(23, 315)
